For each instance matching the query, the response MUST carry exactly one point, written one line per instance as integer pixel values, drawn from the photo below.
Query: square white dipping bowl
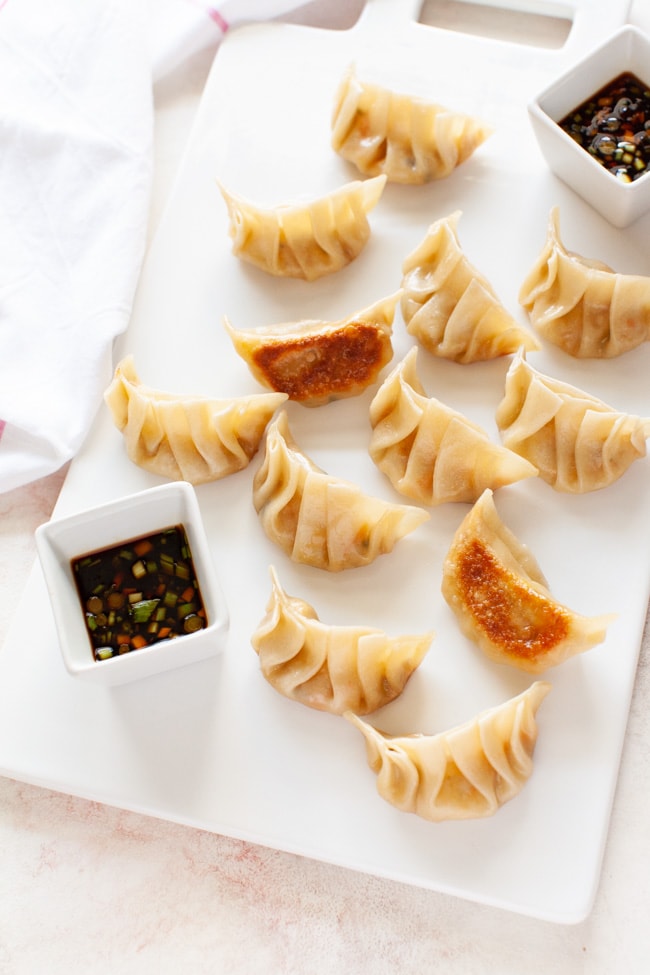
(61, 541)
(627, 50)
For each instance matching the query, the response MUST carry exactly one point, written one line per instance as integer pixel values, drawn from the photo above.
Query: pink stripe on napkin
(215, 15)
(220, 21)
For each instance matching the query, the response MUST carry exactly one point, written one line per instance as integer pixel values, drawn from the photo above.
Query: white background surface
(87, 888)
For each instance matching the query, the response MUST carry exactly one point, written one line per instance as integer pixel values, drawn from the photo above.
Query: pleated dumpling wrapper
(496, 590)
(318, 519)
(450, 307)
(406, 138)
(583, 306)
(189, 438)
(332, 668)
(428, 451)
(468, 772)
(304, 240)
(576, 442)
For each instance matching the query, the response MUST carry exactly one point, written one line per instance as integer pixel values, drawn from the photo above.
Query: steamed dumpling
(496, 590)
(408, 139)
(467, 772)
(583, 306)
(450, 308)
(428, 451)
(576, 441)
(190, 438)
(304, 240)
(314, 362)
(332, 668)
(318, 519)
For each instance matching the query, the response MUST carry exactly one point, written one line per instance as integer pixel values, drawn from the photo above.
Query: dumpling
(190, 438)
(318, 519)
(332, 668)
(304, 241)
(496, 590)
(449, 307)
(314, 362)
(408, 139)
(430, 452)
(577, 442)
(583, 306)
(467, 772)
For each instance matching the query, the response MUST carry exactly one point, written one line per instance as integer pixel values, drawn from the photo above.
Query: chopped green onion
(141, 611)
(193, 623)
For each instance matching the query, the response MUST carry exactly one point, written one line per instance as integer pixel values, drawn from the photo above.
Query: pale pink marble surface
(86, 888)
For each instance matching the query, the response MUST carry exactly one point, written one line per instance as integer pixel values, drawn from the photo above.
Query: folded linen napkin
(76, 120)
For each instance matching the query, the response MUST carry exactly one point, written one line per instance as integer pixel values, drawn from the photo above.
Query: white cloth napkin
(76, 119)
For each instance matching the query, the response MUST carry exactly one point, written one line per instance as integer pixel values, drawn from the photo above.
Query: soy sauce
(139, 592)
(613, 126)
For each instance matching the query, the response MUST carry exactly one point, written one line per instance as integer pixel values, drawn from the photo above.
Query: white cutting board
(213, 745)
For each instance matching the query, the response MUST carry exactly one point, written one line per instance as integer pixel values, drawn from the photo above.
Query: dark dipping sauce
(613, 126)
(139, 592)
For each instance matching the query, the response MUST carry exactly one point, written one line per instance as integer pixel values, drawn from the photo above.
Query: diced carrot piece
(164, 631)
(141, 548)
(188, 595)
(138, 641)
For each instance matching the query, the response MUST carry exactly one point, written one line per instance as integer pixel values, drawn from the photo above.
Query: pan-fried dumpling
(314, 362)
(408, 139)
(583, 306)
(304, 240)
(577, 442)
(467, 772)
(332, 668)
(322, 520)
(428, 451)
(497, 592)
(449, 307)
(190, 438)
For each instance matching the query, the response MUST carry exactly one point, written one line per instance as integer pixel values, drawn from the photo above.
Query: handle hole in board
(535, 29)
(326, 16)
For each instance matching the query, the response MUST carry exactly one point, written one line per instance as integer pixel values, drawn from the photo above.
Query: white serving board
(213, 745)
